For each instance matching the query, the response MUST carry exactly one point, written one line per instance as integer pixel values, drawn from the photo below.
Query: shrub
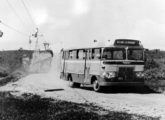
(151, 64)
(155, 71)
(155, 74)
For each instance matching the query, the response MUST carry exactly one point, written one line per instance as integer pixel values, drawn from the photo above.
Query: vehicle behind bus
(119, 64)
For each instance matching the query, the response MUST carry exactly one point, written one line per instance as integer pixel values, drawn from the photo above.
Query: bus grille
(126, 74)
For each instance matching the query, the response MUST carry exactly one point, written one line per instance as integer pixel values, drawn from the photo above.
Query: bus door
(87, 66)
(80, 65)
(92, 64)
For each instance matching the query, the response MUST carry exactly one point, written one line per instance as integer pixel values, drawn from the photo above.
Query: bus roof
(118, 43)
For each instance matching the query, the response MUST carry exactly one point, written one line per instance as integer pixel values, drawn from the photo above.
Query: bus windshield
(135, 54)
(114, 54)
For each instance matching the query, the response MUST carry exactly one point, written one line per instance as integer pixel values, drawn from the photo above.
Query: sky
(76, 23)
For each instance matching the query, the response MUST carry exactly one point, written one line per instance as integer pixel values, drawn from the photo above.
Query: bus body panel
(95, 67)
(73, 66)
(87, 72)
(116, 67)
(92, 69)
(139, 68)
(76, 69)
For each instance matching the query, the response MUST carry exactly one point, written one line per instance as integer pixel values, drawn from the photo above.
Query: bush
(155, 72)
(151, 64)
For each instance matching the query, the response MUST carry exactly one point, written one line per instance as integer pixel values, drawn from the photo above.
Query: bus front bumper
(104, 82)
(121, 83)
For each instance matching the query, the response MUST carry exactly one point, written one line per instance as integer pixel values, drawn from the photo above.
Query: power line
(17, 15)
(27, 6)
(12, 28)
(28, 12)
(32, 20)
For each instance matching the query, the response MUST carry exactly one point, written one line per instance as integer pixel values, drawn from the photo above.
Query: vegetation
(11, 60)
(155, 70)
(33, 107)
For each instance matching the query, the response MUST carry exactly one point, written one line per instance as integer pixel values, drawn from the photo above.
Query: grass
(33, 107)
(155, 70)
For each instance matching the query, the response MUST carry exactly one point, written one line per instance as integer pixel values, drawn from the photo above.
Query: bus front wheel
(96, 86)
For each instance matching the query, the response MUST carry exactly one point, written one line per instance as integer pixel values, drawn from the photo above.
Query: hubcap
(96, 85)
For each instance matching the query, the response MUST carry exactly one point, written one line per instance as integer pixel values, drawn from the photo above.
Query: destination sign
(126, 42)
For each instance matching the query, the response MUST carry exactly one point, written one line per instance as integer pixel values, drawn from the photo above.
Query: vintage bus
(121, 63)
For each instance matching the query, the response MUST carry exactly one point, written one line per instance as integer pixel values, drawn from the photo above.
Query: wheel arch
(69, 75)
(93, 78)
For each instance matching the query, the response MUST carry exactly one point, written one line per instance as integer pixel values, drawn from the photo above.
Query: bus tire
(96, 86)
(72, 84)
(77, 85)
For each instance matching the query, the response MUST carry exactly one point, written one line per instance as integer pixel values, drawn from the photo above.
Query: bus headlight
(109, 75)
(139, 74)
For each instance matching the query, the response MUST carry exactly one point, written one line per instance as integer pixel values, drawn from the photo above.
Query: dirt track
(126, 100)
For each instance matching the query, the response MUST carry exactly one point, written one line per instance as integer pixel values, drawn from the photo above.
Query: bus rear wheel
(96, 86)
(73, 84)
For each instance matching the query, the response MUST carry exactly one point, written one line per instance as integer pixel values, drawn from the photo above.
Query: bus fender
(68, 75)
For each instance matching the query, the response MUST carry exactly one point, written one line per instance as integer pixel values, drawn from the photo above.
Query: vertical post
(36, 35)
(126, 53)
(30, 41)
(85, 64)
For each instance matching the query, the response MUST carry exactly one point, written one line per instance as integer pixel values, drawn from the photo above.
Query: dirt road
(49, 85)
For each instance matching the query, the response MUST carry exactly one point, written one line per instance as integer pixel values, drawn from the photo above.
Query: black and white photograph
(82, 60)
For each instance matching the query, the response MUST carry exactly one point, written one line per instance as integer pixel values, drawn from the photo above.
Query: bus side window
(96, 53)
(107, 54)
(70, 55)
(89, 54)
(73, 54)
(81, 54)
(66, 55)
(84, 54)
(62, 54)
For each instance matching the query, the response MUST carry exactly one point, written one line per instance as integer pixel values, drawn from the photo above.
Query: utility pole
(30, 42)
(36, 35)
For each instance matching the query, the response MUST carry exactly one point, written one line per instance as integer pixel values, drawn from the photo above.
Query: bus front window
(114, 54)
(135, 54)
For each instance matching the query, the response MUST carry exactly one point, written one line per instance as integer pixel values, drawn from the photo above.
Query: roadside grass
(12, 77)
(155, 71)
(33, 107)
